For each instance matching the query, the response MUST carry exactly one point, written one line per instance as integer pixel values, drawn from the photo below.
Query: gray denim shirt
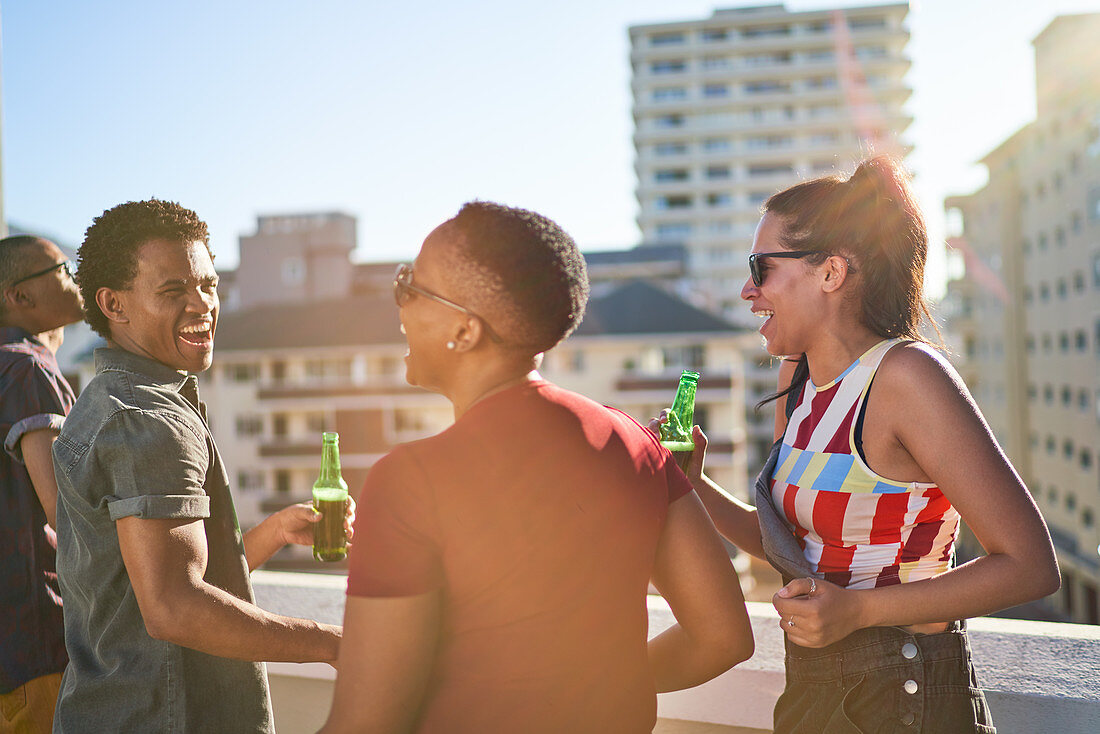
(136, 444)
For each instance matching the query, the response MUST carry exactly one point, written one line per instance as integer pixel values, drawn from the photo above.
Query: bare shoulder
(919, 373)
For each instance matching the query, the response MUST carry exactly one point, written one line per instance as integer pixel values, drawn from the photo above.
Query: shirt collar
(113, 358)
(12, 334)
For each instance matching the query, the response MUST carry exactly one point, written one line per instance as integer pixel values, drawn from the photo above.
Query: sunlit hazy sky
(397, 113)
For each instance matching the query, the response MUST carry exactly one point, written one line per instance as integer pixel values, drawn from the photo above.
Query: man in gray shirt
(160, 622)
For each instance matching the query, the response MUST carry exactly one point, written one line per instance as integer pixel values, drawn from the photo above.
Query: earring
(451, 345)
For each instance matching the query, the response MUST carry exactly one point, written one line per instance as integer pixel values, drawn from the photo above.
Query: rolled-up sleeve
(154, 466)
(30, 424)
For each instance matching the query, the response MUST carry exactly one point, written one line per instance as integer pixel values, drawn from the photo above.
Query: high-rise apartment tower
(732, 108)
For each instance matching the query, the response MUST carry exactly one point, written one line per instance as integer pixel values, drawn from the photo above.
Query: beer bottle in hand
(676, 433)
(330, 498)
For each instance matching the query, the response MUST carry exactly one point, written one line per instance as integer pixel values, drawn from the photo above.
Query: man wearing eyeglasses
(38, 298)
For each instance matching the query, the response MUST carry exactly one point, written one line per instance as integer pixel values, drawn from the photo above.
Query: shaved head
(517, 269)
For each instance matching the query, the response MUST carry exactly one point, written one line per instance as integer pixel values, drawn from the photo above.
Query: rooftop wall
(1038, 676)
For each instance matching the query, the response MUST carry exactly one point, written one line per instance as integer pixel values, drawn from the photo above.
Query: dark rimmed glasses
(756, 265)
(403, 290)
(67, 264)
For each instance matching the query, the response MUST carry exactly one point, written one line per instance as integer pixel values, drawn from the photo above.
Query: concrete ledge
(1038, 676)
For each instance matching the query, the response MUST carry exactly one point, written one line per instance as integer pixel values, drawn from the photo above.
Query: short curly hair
(108, 256)
(525, 269)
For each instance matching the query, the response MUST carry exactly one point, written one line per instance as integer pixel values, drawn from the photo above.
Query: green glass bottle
(330, 498)
(676, 433)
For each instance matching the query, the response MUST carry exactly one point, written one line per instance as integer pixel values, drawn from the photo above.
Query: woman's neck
(489, 382)
(836, 352)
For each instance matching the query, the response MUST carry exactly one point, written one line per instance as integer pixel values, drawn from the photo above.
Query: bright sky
(398, 112)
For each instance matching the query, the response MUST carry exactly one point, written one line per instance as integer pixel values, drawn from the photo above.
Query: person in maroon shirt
(38, 298)
(499, 574)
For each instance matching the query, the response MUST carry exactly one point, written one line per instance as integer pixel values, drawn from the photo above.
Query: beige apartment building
(1025, 319)
(296, 357)
(732, 108)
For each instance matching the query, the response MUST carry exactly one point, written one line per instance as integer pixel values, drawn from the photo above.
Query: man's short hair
(12, 251)
(108, 257)
(528, 273)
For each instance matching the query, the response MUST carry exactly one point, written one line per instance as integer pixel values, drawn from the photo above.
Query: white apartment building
(1026, 317)
(732, 108)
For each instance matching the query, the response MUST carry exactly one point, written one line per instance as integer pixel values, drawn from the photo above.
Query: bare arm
(938, 425)
(734, 519)
(385, 660)
(693, 572)
(166, 560)
(37, 456)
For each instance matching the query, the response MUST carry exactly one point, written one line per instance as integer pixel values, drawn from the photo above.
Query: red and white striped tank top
(856, 528)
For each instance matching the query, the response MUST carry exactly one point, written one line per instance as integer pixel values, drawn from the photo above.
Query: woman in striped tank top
(882, 452)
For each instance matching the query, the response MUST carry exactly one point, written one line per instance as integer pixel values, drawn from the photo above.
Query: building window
(1080, 341)
(666, 39)
(1071, 501)
(821, 82)
(1044, 292)
(328, 370)
(670, 148)
(1086, 459)
(669, 93)
(719, 200)
(766, 32)
(1067, 449)
(766, 142)
(1087, 517)
(767, 87)
(717, 173)
(670, 175)
(242, 372)
(316, 422)
(1051, 444)
(279, 425)
(690, 357)
(282, 481)
(1061, 287)
(1067, 395)
(667, 67)
(249, 425)
(866, 24)
(757, 198)
(250, 479)
(1094, 204)
(712, 35)
(1078, 282)
(1063, 341)
(774, 169)
(673, 230)
(674, 202)
(715, 90)
(714, 145)
(715, 62)
(667, 121)
(293, 271)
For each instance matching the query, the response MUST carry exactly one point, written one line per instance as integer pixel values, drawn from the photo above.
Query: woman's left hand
(815, 612)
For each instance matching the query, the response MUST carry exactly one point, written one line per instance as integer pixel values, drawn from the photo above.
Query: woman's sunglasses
(756, 264)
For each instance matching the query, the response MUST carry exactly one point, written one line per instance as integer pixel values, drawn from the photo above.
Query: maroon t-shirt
(537, 514)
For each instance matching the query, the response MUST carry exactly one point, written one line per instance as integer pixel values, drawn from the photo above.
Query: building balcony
(293, 390)
(1038, 676)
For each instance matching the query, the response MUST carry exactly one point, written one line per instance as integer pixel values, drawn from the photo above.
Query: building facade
(1026, 316)
(732, 108)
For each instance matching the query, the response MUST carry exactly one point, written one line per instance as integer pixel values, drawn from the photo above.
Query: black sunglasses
(756, 269)
(403, 290)
(67, 264)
